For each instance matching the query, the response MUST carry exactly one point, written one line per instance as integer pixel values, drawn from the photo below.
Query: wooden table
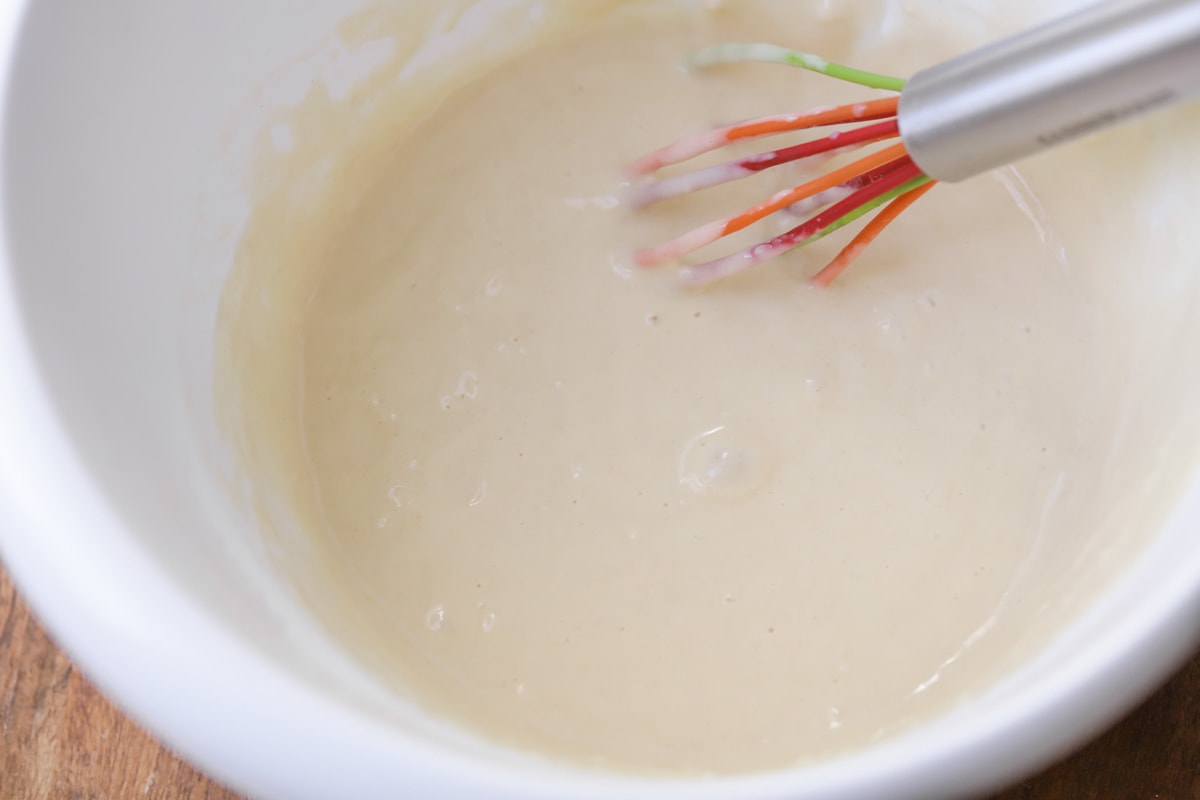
(63, 741)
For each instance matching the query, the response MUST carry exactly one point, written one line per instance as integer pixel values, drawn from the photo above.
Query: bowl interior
(123, 199)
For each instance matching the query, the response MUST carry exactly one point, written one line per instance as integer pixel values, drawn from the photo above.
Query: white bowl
(116, 524)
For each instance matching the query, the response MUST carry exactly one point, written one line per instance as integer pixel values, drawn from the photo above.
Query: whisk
(1011, 99)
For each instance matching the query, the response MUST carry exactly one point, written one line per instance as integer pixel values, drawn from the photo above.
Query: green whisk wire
(738, 52)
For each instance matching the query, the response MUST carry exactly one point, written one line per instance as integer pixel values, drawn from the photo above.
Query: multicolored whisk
(971, 114)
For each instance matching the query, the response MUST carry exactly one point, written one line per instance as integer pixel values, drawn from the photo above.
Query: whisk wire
(707, 234)
(688, 182)
(867, 235)
(692, 146)
(885, 176)
(737, 52)
(902, 179)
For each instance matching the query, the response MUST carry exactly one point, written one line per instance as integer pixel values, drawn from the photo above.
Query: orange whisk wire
(867, 235)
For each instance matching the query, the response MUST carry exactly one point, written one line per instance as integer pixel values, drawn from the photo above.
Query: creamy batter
(566, 503)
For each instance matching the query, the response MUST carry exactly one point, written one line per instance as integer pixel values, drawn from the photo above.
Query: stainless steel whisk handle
(1065, 79)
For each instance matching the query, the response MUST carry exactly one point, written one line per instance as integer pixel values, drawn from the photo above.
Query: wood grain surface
(63, 741)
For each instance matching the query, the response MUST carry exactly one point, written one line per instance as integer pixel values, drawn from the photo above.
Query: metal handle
(1062, 80)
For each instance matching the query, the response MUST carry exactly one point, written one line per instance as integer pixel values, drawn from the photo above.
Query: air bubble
(398, 494)
(468, 386)
(435, 619)
(621, 269)
(892, 329)
(722, 462)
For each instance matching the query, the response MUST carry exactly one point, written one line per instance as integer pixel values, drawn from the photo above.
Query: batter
(564, 502)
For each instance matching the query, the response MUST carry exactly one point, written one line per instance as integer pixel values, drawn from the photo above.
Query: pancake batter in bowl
(568, 504)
